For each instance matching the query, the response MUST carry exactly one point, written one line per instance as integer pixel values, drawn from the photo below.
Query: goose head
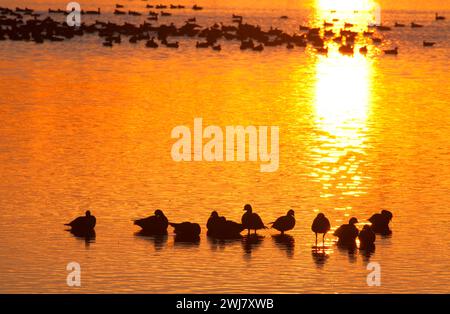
(353, 221)
(158, 213)
(88, 213)
(291, 213)
(248, 208)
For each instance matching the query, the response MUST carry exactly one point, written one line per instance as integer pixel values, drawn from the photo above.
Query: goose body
(347, 233)
(220, 227)
(83, 224)
(285, 223)
(392, 51)
(366, 238)
(250, 220)
(380, 222)
(156, 224)
(321, 224)
(186, 230)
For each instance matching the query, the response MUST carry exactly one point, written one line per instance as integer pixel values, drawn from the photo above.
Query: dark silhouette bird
(366, 238)
(363, 50)
(380, 222)
(285, 223)
(392, 51)
(250, 220)
(221, 228)
(187, 231)
(321, 224)
(415, 25)
(428, 43)
(84, 224)
(347, 233)
(155, 225)
(399, 24)
(439, 17)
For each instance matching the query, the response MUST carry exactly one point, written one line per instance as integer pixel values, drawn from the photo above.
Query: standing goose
(250, 220)
(155, 225)
(285, 223)
(347, 233)
(221, 228)
(366, 238)
(83, 224)
(380, 222)
(321, 224)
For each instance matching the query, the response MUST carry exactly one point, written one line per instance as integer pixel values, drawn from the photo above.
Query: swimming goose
(151, 43)
(380, 222)
(347, 233)
(366, 238)
(392, 51)
(156, 225)
(399, 25)
(83, 224)
(415, 25)
(321, 224)
(428, 43)
(285, 223)
(439, 17)
(250, 220)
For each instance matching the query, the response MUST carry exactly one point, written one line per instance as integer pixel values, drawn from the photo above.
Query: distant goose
(93, 12)
(285, 223)
(392, 51)
(428, 43)
(380, 222)
(366, 238)
(399, 25)
(415, 25)
(156, 224)
(83, 224)
(197, 8)
(363, 50)
(186, 230)
(151, 43)
(217, 48)
(439, 17)
(170, 45)
(321, 224)
(347, 233)
(119, 6)
(250, 220)
(284, 17)
(220, 227)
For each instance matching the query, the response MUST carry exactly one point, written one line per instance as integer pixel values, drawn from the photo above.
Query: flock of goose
(220, 227)
(14, 26)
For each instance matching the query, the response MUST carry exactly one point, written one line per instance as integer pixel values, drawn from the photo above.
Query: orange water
(83, 126)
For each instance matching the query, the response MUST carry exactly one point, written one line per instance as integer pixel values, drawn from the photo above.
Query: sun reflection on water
(342, 100)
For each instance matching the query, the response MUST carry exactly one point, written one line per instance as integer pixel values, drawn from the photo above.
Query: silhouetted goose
(220, 227)
(399, 24)
(285, 223)
(321, 224)
(284, 17)
(415, 25)
(392, 51)
(202, 45)
(197, 8)
(259, 47)
(93, 12)
(439, 17)
(347, 233)
(366, 238)
(118, 12)
(363, 50)
(156, 224)
(217, 48)
(151, 43)
(83, 224)
(170, 45)
(380, 222)
(250, 220)
(186, 230)
(327, 24)
(428, 43)
(165, 13)
(119, 6)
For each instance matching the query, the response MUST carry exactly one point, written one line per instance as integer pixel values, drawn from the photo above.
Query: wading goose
(156, 224)
(285, 223)
(83, 224)
(347, 233)
(186, 230)
(250, 220)
(366, 238)
(321, 224)
(380, 222)
(220, 227)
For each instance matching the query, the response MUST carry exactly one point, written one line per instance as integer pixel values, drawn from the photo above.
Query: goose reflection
(159, 241)
(88, 237)
(320, 255)
(285, 243)
(220, 244)
(251, 242)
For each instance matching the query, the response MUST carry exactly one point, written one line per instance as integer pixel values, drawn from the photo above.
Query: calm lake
(84, 126)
